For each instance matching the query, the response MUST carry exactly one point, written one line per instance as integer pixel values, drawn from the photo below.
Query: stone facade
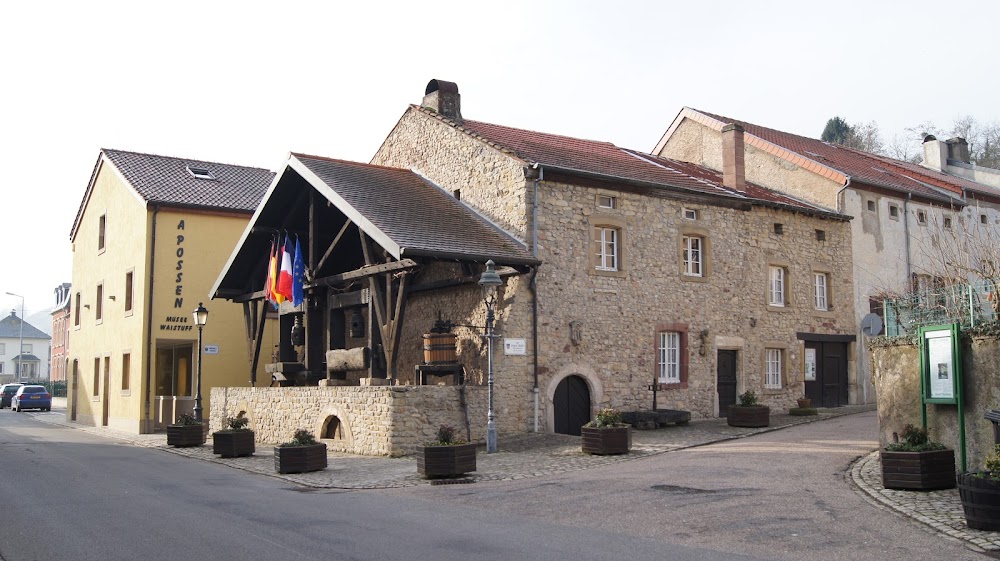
(603, 326)
(897, 379)
(375, 421)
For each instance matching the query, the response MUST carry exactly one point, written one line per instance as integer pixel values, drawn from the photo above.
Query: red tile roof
(592, 157)
(875, 170)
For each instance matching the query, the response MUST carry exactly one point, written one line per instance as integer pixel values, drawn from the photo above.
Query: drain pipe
(534, 287)
(840, 193)
(906, 234)
(149, 318)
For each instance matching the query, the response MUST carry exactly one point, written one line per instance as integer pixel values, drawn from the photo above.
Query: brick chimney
(442, 98)
(733, 170)
(958, 149)
(935, 153)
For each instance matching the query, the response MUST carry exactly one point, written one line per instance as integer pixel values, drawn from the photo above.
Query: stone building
(148, 239)
(915, 226)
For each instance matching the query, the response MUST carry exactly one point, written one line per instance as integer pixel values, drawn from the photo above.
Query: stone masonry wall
(897, 381)
(376, 421)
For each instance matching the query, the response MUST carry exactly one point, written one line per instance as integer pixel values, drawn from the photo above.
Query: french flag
(285, 274)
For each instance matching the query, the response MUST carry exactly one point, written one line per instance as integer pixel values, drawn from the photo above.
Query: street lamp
(490, 281)
(20, 342)
(200, 319)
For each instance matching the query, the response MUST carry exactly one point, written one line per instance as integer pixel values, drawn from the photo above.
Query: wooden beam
(333, 244)
(366, 271)
(257, 343)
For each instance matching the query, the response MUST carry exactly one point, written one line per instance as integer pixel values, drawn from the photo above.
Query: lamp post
(20, 342)
(490, 281)
(200, 319)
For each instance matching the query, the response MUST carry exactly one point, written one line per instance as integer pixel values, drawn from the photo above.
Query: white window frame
(821, 283)
(690, 213)
(607, 201)
(772, 369)
(608, 250)
(776, 286)
(28, 349)
(1, 368)
(694, 256)
(3, 349)
(669, 357)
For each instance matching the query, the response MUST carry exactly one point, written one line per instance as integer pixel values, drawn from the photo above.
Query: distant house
(31, 362)
(915, 227)
(150, 235)
(60, 332)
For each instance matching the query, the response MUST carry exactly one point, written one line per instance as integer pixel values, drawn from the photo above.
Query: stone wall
(375, 421)
(897, 381)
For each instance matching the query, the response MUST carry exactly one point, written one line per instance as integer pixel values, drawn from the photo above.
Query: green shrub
(748, 399)
(187, 420)
(915, 439)
(302, 437)
(607, 417)
(237, 423)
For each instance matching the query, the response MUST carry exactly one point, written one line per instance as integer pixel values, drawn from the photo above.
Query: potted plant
(980, 494)
(749, 412)
(187, 431)
(446, 456)
(804, 408)
(300, 455)
(917, 463)
(804, 402)
(235, 441)
(607, 434)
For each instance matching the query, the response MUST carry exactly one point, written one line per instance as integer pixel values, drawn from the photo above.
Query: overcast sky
(248, 82)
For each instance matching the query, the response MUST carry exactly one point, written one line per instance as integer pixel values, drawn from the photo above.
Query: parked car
(31, 397)
(7, 391)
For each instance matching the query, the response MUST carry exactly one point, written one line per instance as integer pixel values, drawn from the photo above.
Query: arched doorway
(571, 405)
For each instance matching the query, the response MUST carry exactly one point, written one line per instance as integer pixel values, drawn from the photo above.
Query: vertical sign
(810, 365)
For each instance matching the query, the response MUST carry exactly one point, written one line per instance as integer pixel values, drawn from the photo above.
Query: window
(607, 249)
(690, 214)
(983, 219)
(669, 360)
(3, 349)
(607, 201)
(779, 228)
(76, 311)
(99, 306)
(200, 172)
(820, 299)
(128, 291)
(693, 255)
(893, 211)
(27, 349)
(777, 285)
(820, 235)
(871, 206)
(921, 217)
(1, 368)
(97, 376)
(126, 370)
(947, 222)
(772, 369)
(102, 224)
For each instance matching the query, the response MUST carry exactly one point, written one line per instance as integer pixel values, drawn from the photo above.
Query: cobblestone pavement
(940, 510)
(538, 454)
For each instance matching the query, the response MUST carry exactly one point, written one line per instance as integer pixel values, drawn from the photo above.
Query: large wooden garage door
(571, 405)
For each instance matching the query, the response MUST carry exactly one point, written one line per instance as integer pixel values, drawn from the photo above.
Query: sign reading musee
(515, 347)
(211, 349)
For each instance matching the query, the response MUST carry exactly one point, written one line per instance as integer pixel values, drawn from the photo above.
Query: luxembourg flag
(298, 275)
(285, 274)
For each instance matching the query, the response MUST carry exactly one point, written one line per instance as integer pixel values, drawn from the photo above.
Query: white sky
(247, 82)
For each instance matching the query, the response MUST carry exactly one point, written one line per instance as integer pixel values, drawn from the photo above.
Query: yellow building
(150, 237)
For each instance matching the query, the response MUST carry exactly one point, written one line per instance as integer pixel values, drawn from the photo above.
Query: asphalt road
(70, 495)
(781, 495)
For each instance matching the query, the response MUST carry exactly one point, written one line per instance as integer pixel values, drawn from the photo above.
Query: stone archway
(335, 430)
(571, 398)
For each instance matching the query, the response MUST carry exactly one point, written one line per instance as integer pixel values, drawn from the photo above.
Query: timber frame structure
(370, 234)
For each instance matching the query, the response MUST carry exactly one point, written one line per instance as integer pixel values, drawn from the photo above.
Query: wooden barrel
(980, 501)
(439, 348)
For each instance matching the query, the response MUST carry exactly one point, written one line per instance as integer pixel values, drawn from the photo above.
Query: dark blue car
(31, 397)
(7, 392)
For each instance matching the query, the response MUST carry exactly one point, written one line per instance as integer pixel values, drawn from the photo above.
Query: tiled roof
(606, 159)
(418, 217)
(879, 171)
(10, 328)
(166, 180)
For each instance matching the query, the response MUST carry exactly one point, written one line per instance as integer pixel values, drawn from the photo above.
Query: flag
(298, 275)
(276, 296)
(284, 286)
(269, 283)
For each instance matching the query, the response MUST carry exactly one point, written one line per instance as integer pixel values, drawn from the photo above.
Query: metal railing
(969, 305)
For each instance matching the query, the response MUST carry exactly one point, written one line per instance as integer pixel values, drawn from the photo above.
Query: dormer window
(200, 173)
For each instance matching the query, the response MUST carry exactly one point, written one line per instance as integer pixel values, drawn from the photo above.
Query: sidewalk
(538, 454)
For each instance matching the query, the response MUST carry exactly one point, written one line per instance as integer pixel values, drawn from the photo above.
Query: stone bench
(648, 420)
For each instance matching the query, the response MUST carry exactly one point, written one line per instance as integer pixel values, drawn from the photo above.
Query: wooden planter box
(233, 443)
(446, 461)
(606, 440)
(299, 459)
(752, 416)
(980, 501)
(185, 435)
(920, 471)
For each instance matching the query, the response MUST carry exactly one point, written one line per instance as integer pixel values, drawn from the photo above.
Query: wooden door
(571, 405)
(834, 365)
(726, 381)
